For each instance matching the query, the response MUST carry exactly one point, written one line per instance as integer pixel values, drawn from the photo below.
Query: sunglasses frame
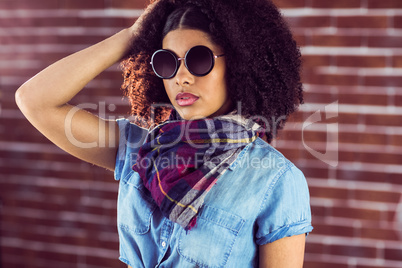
(178, 59)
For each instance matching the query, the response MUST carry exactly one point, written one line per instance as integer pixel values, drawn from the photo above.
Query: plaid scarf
(181, 161)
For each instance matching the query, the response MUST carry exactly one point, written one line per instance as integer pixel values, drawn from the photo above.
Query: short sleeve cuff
(303, 227)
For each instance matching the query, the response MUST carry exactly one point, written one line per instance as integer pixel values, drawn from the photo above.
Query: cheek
(221, 73)
(168, 88)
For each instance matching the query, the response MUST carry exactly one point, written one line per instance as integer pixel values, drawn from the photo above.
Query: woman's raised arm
(44, 101)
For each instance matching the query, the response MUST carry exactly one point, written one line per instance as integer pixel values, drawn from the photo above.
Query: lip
(186, 99)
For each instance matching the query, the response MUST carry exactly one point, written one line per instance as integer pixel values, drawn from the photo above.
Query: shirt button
(163, 244)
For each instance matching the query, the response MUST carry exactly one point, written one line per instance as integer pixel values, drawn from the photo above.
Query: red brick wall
(57, 211)
(352, 54)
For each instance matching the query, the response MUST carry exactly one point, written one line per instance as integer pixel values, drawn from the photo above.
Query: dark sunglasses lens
(164, 64)
(199, 60)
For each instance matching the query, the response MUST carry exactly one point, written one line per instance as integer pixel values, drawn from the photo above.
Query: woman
(214, 81)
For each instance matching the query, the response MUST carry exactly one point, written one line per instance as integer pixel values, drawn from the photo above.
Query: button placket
(166, 232)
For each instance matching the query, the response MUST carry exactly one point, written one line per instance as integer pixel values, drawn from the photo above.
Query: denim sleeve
(130, 139)
(285, 210)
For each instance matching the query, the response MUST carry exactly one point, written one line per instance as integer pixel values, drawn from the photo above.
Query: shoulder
(284, 208)
(259, 172)
(269, 175)
(261, 158)
(284, 175)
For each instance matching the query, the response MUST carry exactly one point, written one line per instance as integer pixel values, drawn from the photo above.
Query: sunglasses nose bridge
(179, 60)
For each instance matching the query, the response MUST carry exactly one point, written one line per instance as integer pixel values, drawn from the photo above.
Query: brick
(349, 156)
(316, 248)
(367, 99)
(363, 138)
(54, 205)
(329, 229)
(382, 120)
(7, 5)
(359, 22)
(315, 172)
(69, 236)
(316, 60)
(84, 40)
(336, 4)
(36, 22)
(350, 118)
(384, 4)
(23, 73)
(384, 81)
(333, 79)
(352, 251)
(397, 100)
(397, 61)
(395, 140)
(105, 22)
(377, 196)
(79, 4)
(397, 22)
(336, 40)
(50, 221)
(364, 176)
(141, 4)
(393, 254)
(354, 213)
(380, 234)
(313, 97)
(385, 41)
(7, 23)
(309, 21)
(290, 3)
(50, 152)
(370, 157)
(291, 154)
(298, 116)
(62, 259)
(395, 178)
(314, 136)
(10, 40)
(331, 193)
(300, 39)
(290, 135)
(326, 264)
(361, 61)
(27, 4)
(19, 132)
(320, 211)
(382, 158)
(375, 266)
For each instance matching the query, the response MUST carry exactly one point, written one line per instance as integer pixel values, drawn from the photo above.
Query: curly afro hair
(262, 59)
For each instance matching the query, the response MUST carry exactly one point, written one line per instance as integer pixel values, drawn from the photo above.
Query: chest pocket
(136, 206)
(210, 242)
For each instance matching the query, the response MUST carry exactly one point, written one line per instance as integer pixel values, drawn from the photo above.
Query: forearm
(61, 81)
(43, 100)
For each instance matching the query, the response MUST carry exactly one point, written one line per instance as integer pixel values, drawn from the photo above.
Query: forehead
(181, 40)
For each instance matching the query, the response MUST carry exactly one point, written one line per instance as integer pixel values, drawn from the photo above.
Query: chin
(191, 116)
(184, 112)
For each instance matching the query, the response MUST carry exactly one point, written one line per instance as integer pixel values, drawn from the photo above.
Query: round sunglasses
(199, 61)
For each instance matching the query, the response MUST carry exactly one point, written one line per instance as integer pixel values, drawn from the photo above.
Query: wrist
(119, 44)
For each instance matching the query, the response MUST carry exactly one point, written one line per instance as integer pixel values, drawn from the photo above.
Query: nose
(183, 76)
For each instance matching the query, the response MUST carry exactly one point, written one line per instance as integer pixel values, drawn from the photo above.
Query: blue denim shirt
(261, 198)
